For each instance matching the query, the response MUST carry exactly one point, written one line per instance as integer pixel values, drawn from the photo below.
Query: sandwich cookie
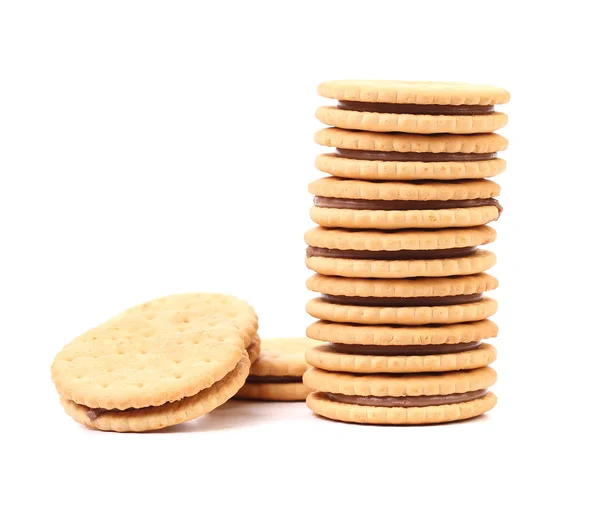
(399, 254)
(347, 203)
(401, 399)
(402, 156)
(439, 300)
(147, 371)
(209, 304)
(408, 349)
(277, 374)
(413, 107)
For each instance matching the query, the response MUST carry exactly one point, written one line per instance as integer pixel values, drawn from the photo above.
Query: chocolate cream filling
(402, 350)
(357, 204)
(408, 401)
(93, 414)
(413, 108)
(417, 301)
(359, 154)
(457, 252)
(273, 379)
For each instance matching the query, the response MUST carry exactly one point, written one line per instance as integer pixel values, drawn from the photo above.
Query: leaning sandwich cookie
(145, 372)
(277, 373)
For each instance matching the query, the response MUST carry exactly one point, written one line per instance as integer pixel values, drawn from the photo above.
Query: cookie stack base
(321, 404)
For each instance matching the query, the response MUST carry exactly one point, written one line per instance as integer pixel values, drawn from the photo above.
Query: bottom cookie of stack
(401, 399)
(399, 374)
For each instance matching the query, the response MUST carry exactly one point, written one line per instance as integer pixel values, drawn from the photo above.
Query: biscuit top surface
(282, 357)
(209, 304)
(143, 360)
(413, 92)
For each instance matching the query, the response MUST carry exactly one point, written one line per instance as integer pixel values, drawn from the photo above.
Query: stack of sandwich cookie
(400, 269)
(277, 373)
(143, 372)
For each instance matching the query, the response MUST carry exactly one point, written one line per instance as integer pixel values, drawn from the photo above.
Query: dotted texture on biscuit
(401, 269)
(320, 404)
(400, 385)
(370, 240)
(449, 314)
(334, 187)
(411, 143)
(407, 288)
(326, 331)
(401, 219)
(408, 170)
(210, 304)
(415, 92)
(147, 359)
(324, 358)
(410, 123)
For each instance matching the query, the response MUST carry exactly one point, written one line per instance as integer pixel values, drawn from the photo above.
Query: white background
(149, 148)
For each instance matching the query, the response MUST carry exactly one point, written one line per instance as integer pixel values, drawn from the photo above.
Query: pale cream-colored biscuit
(334, 187)
(282, 357)
(253, 349)
(210, 304)
(408, 170)
(169, 414)
(400, 269)
(147, 359)
(325, 358)
(410, 142)
(322, 405)
(413, 92)
(411, 123)
(448, 314)
(285, 392)
(402, 219)
(419, 384)
(326, 331)
(404, 288)
(416, 240)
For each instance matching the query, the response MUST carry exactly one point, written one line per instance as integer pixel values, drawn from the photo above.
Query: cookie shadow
(478, 419)
(231, 415)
